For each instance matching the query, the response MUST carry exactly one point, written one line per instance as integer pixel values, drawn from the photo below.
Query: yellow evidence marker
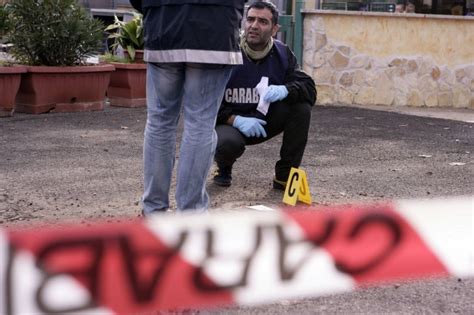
(297, 188)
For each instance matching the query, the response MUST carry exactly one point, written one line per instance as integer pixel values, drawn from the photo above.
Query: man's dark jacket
(281, 66)
(200, 31)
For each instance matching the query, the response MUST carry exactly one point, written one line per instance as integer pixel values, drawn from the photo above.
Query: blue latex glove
(275, 93)
(250, 126)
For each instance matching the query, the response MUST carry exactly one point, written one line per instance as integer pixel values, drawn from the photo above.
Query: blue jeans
(198, 90)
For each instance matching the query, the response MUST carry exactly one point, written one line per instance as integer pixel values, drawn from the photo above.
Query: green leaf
(131, 52)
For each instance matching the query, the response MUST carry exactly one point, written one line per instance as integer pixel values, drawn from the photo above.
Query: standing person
(291, 94)
(189, 47)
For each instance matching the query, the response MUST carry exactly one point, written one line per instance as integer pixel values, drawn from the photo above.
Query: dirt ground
(81, 167)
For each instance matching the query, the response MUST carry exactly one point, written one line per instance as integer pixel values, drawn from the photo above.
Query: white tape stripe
(3, 271)
(61, 292)
(235, 240)
(447, 227)
(314, 270)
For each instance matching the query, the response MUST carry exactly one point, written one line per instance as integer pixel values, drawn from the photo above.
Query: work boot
(279, 184)
(223, 176)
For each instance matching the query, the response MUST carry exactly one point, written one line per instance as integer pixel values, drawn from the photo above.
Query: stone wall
(387, 59)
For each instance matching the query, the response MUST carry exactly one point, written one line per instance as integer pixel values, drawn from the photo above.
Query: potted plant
(54, 38)
(10, 74)
(127, 86)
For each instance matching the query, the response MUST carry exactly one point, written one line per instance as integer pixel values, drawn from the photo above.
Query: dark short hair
(261, 4)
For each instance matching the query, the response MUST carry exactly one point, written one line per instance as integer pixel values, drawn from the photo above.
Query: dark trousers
(291, 119)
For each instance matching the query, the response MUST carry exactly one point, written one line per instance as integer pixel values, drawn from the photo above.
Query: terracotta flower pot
(139, 53)
(10, 78)
(127, 86)
(63, 89)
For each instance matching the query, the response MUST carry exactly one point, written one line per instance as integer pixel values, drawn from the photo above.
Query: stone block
(320, 40)
(396, 62)
(460, 74)
(443, 87)
(365, 96)
(426, 65)
(339, 61)
(410, 80)
(384, 91)
(319, 59)
(427, 86)
(461, 96)
(469, 70)
(359, 61)
(307, 68)
(326, 95)
(323, 74)
(402, 90)
(435, 73)
(318, 24)
(384, 96)
(414, 99)
(395, 72)
(309, 41)
(344, 97)
(345, 50)
(400, 100)
(445, 99)
(431, 100)
(372, 77)
(376, 64)
(346, 78)
(447, 76)
(411, 66)
(359, 77)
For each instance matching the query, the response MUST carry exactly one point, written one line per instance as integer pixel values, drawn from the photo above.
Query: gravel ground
(78, 167)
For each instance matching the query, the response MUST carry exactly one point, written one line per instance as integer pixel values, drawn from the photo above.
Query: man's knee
(302, 112)
(230, 143)
(303, 108)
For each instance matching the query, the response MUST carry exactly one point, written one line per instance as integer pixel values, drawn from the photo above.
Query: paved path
(87, 166)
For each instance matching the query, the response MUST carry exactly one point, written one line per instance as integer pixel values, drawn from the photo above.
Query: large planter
(139, 55)
(10, 78)
(127, 86)
(63, 89)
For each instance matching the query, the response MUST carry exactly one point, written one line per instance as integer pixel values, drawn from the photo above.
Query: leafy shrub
(108, 57)
(128, 35)
(4, 21)
(53, 32)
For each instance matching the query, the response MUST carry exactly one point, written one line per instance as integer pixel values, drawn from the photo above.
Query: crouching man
(286, 101)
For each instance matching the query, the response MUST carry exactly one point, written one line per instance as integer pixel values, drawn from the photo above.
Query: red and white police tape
(242, 258)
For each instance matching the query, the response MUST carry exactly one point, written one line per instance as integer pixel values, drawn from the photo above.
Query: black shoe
(223, 176)
(279, 184)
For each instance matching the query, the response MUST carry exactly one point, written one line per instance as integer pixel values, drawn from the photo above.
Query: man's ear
(275, 29)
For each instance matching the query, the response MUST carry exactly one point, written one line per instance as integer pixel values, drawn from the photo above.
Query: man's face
(259, 28)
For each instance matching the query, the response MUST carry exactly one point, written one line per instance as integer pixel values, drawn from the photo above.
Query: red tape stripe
(372, 244)
(145, 266)
(123, 266)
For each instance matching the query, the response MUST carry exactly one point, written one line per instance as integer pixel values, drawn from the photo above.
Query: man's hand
(275, 93)
(250, 126)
